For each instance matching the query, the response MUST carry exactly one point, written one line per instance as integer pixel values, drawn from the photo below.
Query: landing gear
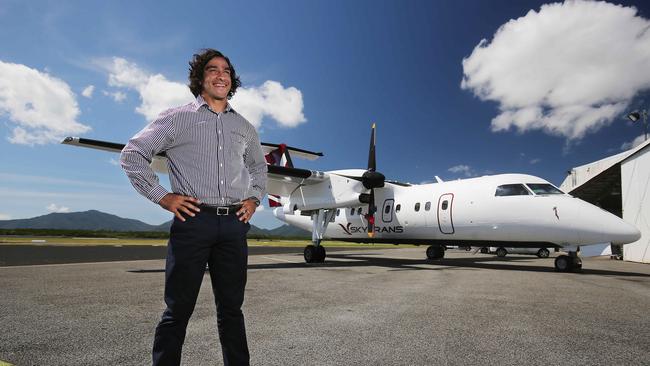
(502, 252)
(435, 252)
(485, 250)
(568, 263)
(315, 253)
(543, 253)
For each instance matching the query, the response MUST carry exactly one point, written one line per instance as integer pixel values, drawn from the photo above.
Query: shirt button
(220, 164)
(219, 131)
(219, 147)
(221, 182)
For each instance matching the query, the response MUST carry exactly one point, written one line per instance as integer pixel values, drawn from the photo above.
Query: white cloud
(117, 96)
(88, 91)
(270, 99)
(43, 108)
(5, 216)
(157, 94)
(568, 70)
(55, 208)
(634, 143)
(466, 170)
(114, 161)
(534, 161)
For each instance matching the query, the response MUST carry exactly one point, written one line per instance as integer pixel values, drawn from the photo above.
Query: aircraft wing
(159, 163)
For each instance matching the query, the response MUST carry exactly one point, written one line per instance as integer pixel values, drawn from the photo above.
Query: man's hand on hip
(248, 207)
(178, 204)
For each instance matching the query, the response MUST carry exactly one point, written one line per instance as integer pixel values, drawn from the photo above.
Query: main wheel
(502, 252)
(320, 254)
(563, 263)
(435, 252)
(485, 250)
(543, 253)
(310, 253)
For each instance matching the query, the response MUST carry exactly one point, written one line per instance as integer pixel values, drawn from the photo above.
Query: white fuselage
(470, 211)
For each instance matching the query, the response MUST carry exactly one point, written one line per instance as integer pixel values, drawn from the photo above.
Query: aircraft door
(445, 221)
(387, 210)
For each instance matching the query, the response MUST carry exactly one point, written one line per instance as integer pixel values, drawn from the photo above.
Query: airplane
(356, 205)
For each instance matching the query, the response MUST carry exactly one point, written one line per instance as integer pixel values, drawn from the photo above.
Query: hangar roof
(591, 182)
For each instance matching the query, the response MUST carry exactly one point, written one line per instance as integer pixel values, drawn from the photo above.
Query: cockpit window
(512, 190)
(543, 188)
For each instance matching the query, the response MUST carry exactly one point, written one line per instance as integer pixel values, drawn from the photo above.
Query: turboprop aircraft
(356, 205)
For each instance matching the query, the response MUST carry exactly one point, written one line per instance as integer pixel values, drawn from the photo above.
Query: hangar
(619, 184)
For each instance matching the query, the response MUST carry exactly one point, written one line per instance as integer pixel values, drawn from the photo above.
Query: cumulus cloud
(534, 161)
(42, 108)
(117, 96)
(88, 91)
(157, 94)
(56, 208)
(465, 170)
(270, 99)
(567, 69)
(634, 143)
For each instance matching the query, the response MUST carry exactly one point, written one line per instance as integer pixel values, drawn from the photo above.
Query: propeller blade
(372, 163)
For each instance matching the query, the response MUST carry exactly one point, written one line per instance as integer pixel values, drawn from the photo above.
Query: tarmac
(361, 307)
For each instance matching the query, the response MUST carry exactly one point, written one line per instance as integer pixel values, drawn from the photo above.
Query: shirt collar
(199, 102)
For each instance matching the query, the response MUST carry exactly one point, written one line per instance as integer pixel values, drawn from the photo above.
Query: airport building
(619, 184)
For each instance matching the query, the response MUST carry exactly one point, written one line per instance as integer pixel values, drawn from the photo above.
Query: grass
(73, 241)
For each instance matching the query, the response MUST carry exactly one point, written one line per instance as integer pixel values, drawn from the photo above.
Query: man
(218, 177)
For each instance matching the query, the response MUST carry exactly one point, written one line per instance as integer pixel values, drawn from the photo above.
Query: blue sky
(547, 90)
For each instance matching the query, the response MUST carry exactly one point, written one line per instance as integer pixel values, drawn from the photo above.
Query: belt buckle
(222, 211)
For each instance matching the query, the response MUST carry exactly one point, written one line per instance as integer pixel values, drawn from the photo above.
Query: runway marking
(77, 264)
(279, 260)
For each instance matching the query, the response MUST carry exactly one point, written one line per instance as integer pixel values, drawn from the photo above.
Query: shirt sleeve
(138, 153)
(256, 165)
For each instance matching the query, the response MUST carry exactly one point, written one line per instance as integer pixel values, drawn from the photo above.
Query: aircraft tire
(435, 252)
(310, 254)
(502, 252)
(563, 263)
(485, 250)
(320, 254)
(543, 253)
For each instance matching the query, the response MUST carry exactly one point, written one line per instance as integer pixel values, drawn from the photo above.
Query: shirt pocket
(237, 145)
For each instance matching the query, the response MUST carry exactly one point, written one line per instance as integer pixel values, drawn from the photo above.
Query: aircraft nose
(624, 233)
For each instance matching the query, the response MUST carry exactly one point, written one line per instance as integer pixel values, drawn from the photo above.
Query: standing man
(218, 178)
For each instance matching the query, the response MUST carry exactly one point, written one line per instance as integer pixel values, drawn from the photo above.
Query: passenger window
(352, 212)
(511, 190)
(338, 211)
(417, 207)
(398, 207)
(360, 212)
(444, 205)
(427, 206)
(387, 209)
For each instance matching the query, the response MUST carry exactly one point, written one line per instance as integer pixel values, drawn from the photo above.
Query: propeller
(371, 179)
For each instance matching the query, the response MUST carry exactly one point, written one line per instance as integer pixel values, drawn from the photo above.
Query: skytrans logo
(349, 229)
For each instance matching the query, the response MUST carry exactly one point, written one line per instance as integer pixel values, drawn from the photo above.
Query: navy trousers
(219, 242)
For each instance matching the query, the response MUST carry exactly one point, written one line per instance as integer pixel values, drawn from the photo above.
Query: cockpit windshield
(511, 190)
(543, 188)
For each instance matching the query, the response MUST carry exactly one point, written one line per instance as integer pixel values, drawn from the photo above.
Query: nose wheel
(568, 263)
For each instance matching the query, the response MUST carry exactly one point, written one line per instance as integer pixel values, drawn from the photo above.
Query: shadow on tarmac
(400, 264)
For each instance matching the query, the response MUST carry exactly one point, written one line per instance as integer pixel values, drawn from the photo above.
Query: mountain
(86, 220)
(96, 220)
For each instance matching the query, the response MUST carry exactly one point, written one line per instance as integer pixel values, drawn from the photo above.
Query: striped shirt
(214, 157)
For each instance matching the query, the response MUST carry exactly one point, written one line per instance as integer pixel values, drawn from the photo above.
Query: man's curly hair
(197, 69)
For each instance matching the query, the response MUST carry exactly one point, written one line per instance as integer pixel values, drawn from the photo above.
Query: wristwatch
(254, 199)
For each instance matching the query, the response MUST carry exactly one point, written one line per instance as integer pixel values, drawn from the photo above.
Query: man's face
(216, 79)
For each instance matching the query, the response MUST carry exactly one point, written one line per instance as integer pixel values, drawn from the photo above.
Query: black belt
(220, 210)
